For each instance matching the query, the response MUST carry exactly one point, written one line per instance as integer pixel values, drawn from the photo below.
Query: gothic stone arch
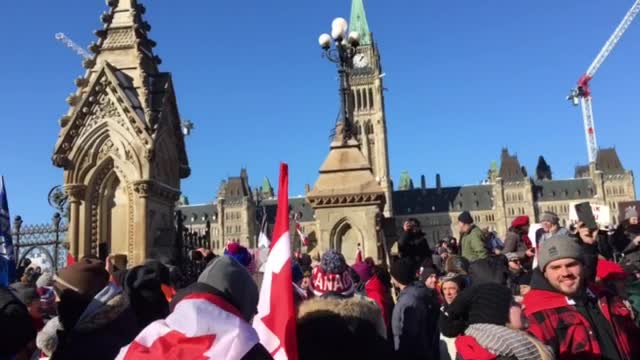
(345, 237)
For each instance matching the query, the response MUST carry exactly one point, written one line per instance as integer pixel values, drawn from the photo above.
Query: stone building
(354, 184)
(121, 145)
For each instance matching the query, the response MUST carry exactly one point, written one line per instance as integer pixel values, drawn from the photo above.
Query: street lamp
(342, 54)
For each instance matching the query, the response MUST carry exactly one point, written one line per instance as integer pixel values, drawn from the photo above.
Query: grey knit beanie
(559, 247)
(550, 217)
(630, 212)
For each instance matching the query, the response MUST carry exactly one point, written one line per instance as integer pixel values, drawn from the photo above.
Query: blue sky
(464, 79)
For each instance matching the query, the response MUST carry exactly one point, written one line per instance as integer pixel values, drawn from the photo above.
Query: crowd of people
(567, 294)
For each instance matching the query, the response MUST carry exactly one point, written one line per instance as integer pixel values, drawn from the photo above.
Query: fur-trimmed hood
(105, 308)
(357, 307)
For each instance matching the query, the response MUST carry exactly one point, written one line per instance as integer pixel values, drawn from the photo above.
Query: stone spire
(124, 43)
(359, 22)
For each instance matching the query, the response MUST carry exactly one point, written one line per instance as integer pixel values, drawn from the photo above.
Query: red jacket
(468, 349)
(375, 290)
(555, 321)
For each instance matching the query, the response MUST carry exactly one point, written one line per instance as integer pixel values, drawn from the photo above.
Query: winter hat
(486, 303)
(630, 212)
(512, 256)
(143, 286)
(86, 277)
(332, 275)
(522, 220)
(465, 218)
(550, 217)
(608, 270)
(238, 252)
(559, 247)
(363, 270)
(160, 269)
(460, 280)
(232, 279)
(403, 270)
(45, 280)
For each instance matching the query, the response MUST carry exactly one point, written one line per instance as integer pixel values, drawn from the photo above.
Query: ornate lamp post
(342, 54)
(56, 226)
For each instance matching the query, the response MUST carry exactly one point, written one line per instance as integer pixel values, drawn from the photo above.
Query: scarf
(503, 341)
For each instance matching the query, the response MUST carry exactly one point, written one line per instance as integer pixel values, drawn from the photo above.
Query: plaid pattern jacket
(555, 321)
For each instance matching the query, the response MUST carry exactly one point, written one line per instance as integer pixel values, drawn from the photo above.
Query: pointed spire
(405, 181)
(123, 42)
(359, 22)
(267, 189)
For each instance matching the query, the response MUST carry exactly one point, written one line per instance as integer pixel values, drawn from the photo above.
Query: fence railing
(41, 243)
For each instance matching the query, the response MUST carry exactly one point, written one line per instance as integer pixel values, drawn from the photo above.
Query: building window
(359, 99)
(370, 98)
(477, 204)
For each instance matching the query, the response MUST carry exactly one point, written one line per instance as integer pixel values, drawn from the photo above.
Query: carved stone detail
(76, 192)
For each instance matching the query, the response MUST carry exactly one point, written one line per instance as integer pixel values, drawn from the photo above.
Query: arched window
(359, 99)
(370, 98)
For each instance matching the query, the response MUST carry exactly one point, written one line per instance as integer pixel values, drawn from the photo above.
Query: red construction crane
(582, 93)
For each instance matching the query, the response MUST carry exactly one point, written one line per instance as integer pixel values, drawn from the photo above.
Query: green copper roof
(405, 181)
(359, 23)
(266, 186)
(494, 165)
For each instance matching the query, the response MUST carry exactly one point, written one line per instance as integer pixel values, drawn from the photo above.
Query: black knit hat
(465, 218)
(403, 270)
(427, 268)
(486, 303)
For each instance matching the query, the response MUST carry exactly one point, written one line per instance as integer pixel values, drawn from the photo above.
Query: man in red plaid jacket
(576, 321)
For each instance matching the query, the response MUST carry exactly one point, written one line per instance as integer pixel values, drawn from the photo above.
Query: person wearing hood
(415, 317)
(486, 331)
(576, 320)
(210, 319)
(94, 316)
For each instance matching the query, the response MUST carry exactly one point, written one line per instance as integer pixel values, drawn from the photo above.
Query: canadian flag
(303, 237)
(275, 322)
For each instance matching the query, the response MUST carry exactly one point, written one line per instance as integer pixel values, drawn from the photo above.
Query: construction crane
(72, 45)
(582, 93)
(187, 126)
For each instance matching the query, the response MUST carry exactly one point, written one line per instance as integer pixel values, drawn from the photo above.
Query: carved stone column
(76, 194)
(143, 190)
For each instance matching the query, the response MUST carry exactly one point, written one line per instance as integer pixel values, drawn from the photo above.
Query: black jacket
(414, 246)
(16, 325)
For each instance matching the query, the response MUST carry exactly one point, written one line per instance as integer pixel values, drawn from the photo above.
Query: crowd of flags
(275, 325)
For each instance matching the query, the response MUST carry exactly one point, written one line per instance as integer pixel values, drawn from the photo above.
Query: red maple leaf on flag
(172, 345)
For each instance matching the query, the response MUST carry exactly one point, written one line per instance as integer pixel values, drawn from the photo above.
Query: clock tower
(369, 117)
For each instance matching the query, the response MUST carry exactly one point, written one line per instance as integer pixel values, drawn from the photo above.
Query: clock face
(360, 60)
